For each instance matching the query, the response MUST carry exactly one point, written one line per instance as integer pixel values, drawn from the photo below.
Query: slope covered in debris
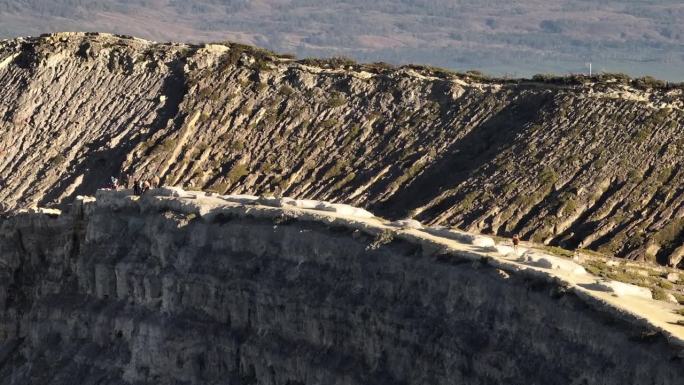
(583, 163)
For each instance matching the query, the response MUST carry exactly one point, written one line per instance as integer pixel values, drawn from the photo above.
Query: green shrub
(203, 117)
(286, 90)
(641, 135)
(333, 62)
(237, 172)
(166, 146)
(659, 294)
(648, 82)
(57, 160)
(467, 202)
(329, 123)
(218, 188)
(380, 67)
(237, 145)
(548, 176)
(679, 298)
(350, 177)
(336, 100)
(353, 133)
(384, 238)
(336, 169)
(266, 167)
(509, 187)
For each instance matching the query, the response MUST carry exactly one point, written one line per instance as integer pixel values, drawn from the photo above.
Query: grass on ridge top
(641, 274)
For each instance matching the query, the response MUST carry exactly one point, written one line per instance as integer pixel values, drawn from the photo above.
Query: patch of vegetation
(641, 135)
(661, 115)
(411, 173)
(336, 100)
(560, 80)
(208, 93)
(166, 146)
(286, 90)
(679, 298)
(664, 175)
(266, 167)
(435, 71)
(336, 169)
(557, 251)
(379, 67)
(57, 160)
(329, 123)
(353, 133)
(509, 187)
(467, 202)
(648, 82)
(237, 145)
(547, 176)
(333, 62)
(659, 294)
(238, 171)
(350, 177)
(261, 56)
(384, 238)
(203, 117)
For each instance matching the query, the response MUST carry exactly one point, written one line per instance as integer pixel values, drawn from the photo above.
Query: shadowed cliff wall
(134, 293)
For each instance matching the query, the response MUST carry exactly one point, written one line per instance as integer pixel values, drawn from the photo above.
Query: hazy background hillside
(499, 37)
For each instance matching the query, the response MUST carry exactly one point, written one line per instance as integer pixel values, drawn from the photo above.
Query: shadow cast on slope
(101, 164)
(476, 149)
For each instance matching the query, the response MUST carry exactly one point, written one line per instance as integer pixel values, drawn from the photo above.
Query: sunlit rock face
(568, 161)
(196, 289)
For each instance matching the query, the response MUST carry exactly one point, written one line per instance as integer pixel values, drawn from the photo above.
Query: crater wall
(165, 290)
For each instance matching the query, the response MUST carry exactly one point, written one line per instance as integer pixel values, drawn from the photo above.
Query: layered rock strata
(591, 163)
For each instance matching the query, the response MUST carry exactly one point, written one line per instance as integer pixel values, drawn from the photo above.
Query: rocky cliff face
(594, 164)
(167, 291)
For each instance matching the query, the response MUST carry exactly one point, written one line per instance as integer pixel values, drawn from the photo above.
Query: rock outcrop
(591, 163)
(184, 288)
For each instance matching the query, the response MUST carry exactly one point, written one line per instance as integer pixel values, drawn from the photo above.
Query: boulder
(676, 256)
(349, 211)
(407, 224)
(671, 298)
(619, 289)
(545, 261)
(309, 204)
(673, 277)
(504, 250)
(241, 199)
(49, 212)
(482, 241)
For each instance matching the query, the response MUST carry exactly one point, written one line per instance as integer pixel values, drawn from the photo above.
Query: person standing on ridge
(516, 242)
(114, 183)
(145, 186)
(137, 188)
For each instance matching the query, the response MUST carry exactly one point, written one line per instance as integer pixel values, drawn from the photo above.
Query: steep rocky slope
(592, 163)
(191, 290)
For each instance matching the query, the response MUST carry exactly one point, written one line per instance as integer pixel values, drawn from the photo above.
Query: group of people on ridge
(139, 187)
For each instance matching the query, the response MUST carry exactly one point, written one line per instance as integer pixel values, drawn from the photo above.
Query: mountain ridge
(499, 37)
(571, 161)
